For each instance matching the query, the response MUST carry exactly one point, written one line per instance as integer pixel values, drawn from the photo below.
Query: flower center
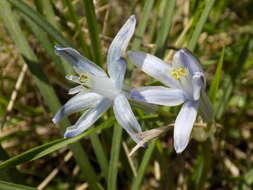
(178, 73)
(84, 80)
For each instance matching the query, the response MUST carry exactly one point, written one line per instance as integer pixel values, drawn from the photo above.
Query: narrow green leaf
(45, 149)
(217, 77)
(9, 174)
(41, 21)
(202, 166)
(100, 154)
(48, 11)
(230, 81)
(248, 177)
(163, 31)
(12, 186)
(114, 159)
(46, 44)
(200, 24)
(44, 25)
(142, 24)
(93, 30)
(144, 164)
(75, 20)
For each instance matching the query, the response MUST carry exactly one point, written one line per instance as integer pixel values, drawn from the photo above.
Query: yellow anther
(83, 78)
(178, 73)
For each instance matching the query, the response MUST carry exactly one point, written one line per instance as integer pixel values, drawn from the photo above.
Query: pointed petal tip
(58, 47)
(132, 18)
(70, 134)
(54, 121)
(180, 148)
(57, 117)
(66, 135)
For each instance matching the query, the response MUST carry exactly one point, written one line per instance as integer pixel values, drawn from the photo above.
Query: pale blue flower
(97, 92)
(187, 84)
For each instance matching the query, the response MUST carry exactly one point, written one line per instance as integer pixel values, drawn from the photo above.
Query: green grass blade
(144, 164)
(45, 149)
(47, 45)
(142, 24)
(93, 30)
(100, 154)
(216, 80)
(248, 177)
(9, 174)
(75, 20)
(41, 22)
(229, 84)
(48, 11)
(44, 87)
(114, 158)
(202, 166)
(200, 24)
(163, 31)
(12, 186)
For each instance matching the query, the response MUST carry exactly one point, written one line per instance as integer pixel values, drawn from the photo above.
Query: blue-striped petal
(118, 46)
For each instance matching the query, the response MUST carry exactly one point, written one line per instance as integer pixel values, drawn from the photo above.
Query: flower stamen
(84, 79)
(178, 73)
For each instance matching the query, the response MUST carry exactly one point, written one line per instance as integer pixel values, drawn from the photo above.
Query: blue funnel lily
(186, 81)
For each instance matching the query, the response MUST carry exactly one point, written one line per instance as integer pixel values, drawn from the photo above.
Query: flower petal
(147, 107)
(153, 66)
(184, 58)
(159, 95)
(198, 82)
(121, 70)
(119, 45)
(77, 103)
(206, 108)
(77, 89)
(80, 63)
(183, 125)
(73, 78)
(125, 117)
(88, 118)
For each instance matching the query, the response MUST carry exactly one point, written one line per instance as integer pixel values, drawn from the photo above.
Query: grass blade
(46, 44)
(12, 186)
(114, 159)
(74, 17)
(200, 24)
(41, 22)
(144, 164)
(217, 77)
(100, 154)
(48, 11)
(162, 34)
(142, 24)
(9, 174)
(45, 149)
(229, 84)
(93, 30)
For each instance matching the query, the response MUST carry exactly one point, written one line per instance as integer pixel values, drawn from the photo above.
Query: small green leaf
(144, 164)
(200, 24)
(217, 77)
(12, 186)
(45, 149)
(115, 151)
(93, 30)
